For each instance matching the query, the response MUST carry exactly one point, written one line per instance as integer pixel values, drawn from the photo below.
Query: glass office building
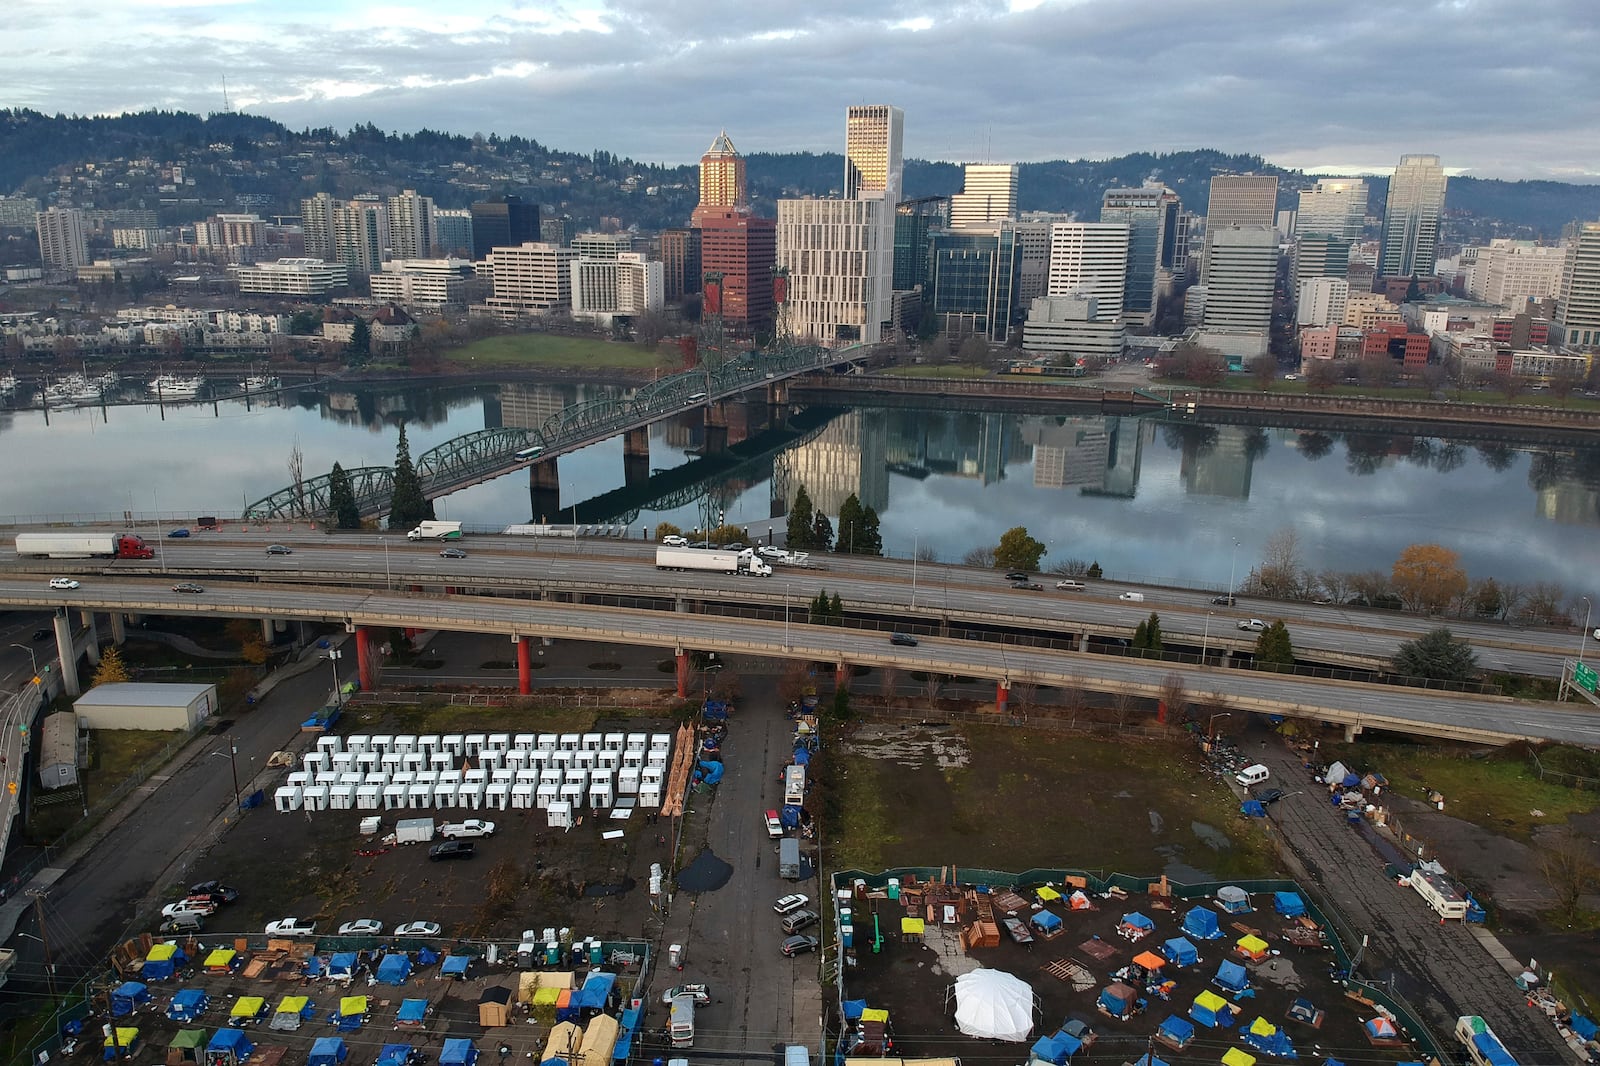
(972, 281)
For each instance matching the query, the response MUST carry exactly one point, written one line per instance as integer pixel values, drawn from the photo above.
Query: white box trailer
(413, 830)
(712, 559)
(431, 530)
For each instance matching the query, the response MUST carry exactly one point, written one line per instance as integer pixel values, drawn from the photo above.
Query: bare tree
(983, 557)
(297, 476)
(927, 553)
(1280, 573)
(1336, 583)
(794, 683)
(1568, 864)
(1024, 694)
(1546, 602)
(1174, 696)
(1369, 585)
(1073, 701)
(649, 328)
(933, 684)
(1122, 705)
(889, 684)
(1512, 594)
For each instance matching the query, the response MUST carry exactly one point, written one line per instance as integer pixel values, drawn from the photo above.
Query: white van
(680, 1023)
(1252, 775)
(1132, 597)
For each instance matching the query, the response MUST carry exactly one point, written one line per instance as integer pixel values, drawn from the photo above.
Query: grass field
(944, 370)
(547, 350)
(116, 754)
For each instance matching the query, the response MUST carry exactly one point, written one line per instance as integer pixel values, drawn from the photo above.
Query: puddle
(911, 746)
(1211, 836)
(611, 890)
(706, 874)
(1278, 971)
(1157, 823)
(1180, 871)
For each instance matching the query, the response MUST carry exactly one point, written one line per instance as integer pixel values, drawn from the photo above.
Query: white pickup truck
(472, 827)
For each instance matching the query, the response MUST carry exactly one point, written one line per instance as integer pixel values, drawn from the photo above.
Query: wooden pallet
(1072, 972)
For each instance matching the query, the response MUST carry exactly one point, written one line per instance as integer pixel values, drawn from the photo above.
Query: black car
(452, 553)
(1271, 795)
(451, 849)
(1225, 600)
(1017, 575)
(279, 549)
(216, 891)
(799, 945)
(188, 586)
(904, 640)
(43, 634)
(1029, 586)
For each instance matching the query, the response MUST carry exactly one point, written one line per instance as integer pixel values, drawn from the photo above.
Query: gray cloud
(1496, 87)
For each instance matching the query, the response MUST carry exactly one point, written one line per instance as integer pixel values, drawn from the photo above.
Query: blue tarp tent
(1118, 1000)
(1288, 904)
(458, 1053)
(596, 991)
(1212, 1011)
(789, 816)
(630, 1025)
(1269, 1039)
(1231, 977)
(1584, 1027)
(1135, 920)
(711, 771)
(343, 965)
(394, 1055)
(1491, 1050)
(394, 969)
(412, 1011)
(229, 1047)
(802, 756)
(316, 967)
(1252, 809)
(1050, 1049)
(1176, 1031)
(853, 1009)
(128, 997)
(162, 962)
(426, 957)
(1045, 922)
(1180, 952)
(187, 1003)
(1201, 924)
(455, 966)
(328, 1051)
(1148, 1059)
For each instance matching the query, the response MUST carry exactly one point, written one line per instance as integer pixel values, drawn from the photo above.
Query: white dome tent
(994, 1005)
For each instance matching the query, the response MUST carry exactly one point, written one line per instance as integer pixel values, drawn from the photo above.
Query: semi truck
(1481, 1042)
(722, 562)
(431, 530)
(83, 546)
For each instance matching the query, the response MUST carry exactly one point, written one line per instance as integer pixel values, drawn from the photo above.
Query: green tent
(188, 1044)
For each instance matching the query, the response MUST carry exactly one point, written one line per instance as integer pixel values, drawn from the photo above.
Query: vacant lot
(544, 350)
(114, 754)
(1012, 798)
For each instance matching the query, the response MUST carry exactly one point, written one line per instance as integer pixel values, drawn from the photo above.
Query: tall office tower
(625, 284)
(741, 248)
(833, 250)
(316, 221)
(1242, 274)
(454, 228)
(1578, 313)
(722, 186)
(531, 278)
(1091, 259)
(1320, 256)
(61, 243)
(502, 223)
(412, 227)
(972, 280)
(557, 231)
(358, 233)
(1411, 218)
(1333, 207)
(1509, 273)
(1239, 200)
(1151, 213)
(874, 136)
(1033, 254)
(913, 221)
(988, 195)
(1321, 301)
(680, 263)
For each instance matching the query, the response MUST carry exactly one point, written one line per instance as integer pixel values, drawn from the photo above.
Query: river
(1190, 503)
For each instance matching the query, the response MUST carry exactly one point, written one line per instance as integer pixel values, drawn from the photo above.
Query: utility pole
(44, 939)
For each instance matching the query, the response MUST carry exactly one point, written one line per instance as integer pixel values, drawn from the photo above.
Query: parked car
(201, 907)
(1017, 575)
(1255, 625)
(771, 551)
(451, 849)
(791, 902)
(799, 945)
(188, 586)
(701, 994)
(774, 824)
(63, 583)
(452, 553)
(183, 923)
(362, 927)
(793, 923)
(43, 634)
(1270, 796)
(179, 533)
(472, 827)
(672, 540)
(291, 927)
(1225, 600)
(279, 549)
(1028, 586)
(417, 929)
(216, 890)
(904, 640)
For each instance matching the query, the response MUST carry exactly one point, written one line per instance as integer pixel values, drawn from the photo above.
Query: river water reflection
(1144, 498)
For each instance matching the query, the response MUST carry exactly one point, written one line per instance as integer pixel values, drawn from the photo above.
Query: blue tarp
(712, 771)
(162, 969)
(1148, 1059)
(1138, 921)
(1180, 952)
(1232, 977)
(458, 1053)
(789, 816)
(342, 964)
(1252, 809)
(1045, 921)
(1214, 1017)
(328, 1051)
(426, 957)
(1584, 1027)
(1202, 924)
(1278, 1045)
(595, 991)
(230, 1042)
(1492, 1051)
(629, 1026)
(1050, 1049)
(455, 966)
(413, 1010)
(1288, 904)
(853, 1009)
(1176, 1029)
(394, 1055)
(128, 997)
(187, 1003)
(316, 967)
(394, 969)
(1117, 1003)
(802, 757)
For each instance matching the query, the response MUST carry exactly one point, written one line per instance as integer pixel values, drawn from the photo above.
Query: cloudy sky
(1499, 88)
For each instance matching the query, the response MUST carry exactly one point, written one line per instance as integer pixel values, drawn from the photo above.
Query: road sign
(1583, 676)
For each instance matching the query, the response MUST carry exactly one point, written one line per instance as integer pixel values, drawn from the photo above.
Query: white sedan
(417, 929)
(789, 903)
(291, 927)
(472, 827)
(64, 583)
(362, 927)
(1255, 625)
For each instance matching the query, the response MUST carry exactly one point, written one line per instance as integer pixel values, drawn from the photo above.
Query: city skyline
(1292, 85)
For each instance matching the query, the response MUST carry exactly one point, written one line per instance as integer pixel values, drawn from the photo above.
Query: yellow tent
(161, 952)
(1046, 893)
(219, 958)
(292, 1004)
(124, 1039)
(911, 926)
(1209, 1000)
(1262, 1027)
(1235, 1057)
(350, 1006)
(564, 1042)
(875, 1014)
(546, 995)
(1252, 946)
(247, 1007)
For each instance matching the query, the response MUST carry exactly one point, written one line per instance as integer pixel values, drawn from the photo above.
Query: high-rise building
(316, 221)
(913, 221)
(1578, 312)
(988, 195)
(61, 242)
(602, 245)
(556, 230)
(1333, 207)
(680, 263)
(874, 137)
(454, 229)
(1411, 218)
(1090, 259)
(832, 250)
(722, 185)
(1151, 213)
(1239, 200)
(1033, 254)
(505, 222)
(412, 227)
(1510, 273)
(1319, 255)
(423, 284)
(741, 248)
(972, 280)
(624, 284)
(1242, 273)
(530, 279)
(359, 229)
(1321, 301)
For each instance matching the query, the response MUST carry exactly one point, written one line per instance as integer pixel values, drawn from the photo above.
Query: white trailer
(431, 530)
(413, 830)
(713, 559)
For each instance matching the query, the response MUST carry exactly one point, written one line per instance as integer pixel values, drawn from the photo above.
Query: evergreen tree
(407, 505)
(1141, 636)
(1152, 632)
(869, 541)
(360, 338)
(819, 608)
(1438, 656)
(800, 518)
(1273, 647)
(821, 533)
(850, 524)
(836, 610)
(342, 500)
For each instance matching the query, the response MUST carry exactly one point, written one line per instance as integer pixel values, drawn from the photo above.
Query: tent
(328, 1051)
(599, 1041)
(1303, 1010)
(1177, 1033)
(1046, 894)
(1180, 952)
(162, 962)
(455, 966)
(993, 1005)
(563, 1042)
(1046, 922)
(1080, 901)
(1231, 977)
(1211, 1010)
(630, 1024)
(394, 1055)
(1148, 1059)
(292, 1010)
(1252, 809)
(315, 968)
(1288, 904)
(1201, 924)
(222, 960)
(426, 957)
(1335, 775)
(853, 1009)
(128, 997)
(1233, 899)
(1135, 926)
(343, 965)
(1235, 1057)
(413, 1012)
(458, 1053)
(1056, 1049)
(351, 1013)
(1380, 1030)
(1252, 947)
(1584, 1027)
(187, 1003)
(1119, 1001)
(1149, 961)
(123, 1042)
(394, 969)
(494, 1006)
(1269, 1039)
(185, 1046)
(247, 1009)
(228, 1047)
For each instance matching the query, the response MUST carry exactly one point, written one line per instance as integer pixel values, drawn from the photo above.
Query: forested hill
(230, 154)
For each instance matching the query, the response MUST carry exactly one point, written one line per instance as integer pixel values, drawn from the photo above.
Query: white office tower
(1239, 200)
(1510, 273)
(1411, 218)
(423, 284)
(529, 279)
(61, 243)
(1321, 301)
(1241, 276)
(601, 245)
(988, 195)
(1033, 254)
(1578, 313)
(1090, 259)
(626, 284)
(1333, 207)
(413, 231)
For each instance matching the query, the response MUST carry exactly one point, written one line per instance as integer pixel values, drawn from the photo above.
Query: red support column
(524, 667)
(1002, 697)
(364, 658)
(683, 675)
(841, 675)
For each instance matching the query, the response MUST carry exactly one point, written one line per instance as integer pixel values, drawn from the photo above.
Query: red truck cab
(132, 546)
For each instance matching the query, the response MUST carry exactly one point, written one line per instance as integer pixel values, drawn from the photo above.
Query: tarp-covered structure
(394, 969)
(187, 1003)
(994, 1005)
(128, 997)
(122, 1043)
(1231, 977)
(394, 1055)
(328, 1051)
(1176, 1032)
(1233, 899)
(1269, 1039)
(413, 1012)
(455, 966)
(291, 1012)
(1234, 1057)
(1211, 1010)
(1201, 923)
(351, 1013)
(458, 1052)
(1252, 947)
(1058, 1048)
(186, 1045)
(1288, 904)
(342, 966)
(1118, 1000)
(1135, 925)
(1180, 952)
(1045, 921)
(222, 960)
(247, 1009)
(162, 961)
(228, 1047)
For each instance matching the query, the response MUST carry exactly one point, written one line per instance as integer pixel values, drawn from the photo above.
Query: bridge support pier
(544, 490)
(545, 474)
(524, 665)
(841, 675)
(93, 650)
(119, 628)
(1351, 732)
(69, 658)
(364, 653)
(268, 632)
(635, 469)
(1002, 697)
(683, 674)
(716, 438)
(636, 442)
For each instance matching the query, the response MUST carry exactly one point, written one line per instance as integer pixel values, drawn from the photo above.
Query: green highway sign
(1583, 676)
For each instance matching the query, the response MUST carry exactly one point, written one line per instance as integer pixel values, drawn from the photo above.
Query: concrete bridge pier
(841, 675)
(524, 664)
(636, 456)
(268, 633)
(544, 490)
(119, 628)
(93, 650)
(69, 658)
(683, 674)
(1351, 732)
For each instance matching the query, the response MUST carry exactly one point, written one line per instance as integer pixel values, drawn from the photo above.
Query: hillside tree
(1018, 551)
(798, 531)
(407, 504)
(1437, 656)
(1273, 646)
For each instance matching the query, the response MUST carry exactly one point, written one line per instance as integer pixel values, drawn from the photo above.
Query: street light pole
(1211, 736)
(233, 765)
(1205, 638)
(34, 659)
(1233, 561)
(916, 548)
(1583, 640)
(333, 660)
(785, 616)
